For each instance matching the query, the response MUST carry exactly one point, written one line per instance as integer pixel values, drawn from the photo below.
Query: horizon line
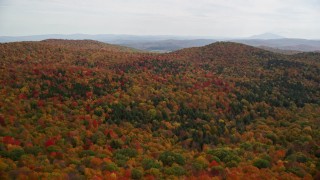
(164, 35)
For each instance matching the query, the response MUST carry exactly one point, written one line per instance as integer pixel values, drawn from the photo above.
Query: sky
(215, 18)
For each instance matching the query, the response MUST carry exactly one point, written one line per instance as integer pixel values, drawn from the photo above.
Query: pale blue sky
(218, 18)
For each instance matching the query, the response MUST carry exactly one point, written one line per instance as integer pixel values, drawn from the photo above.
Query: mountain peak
(266, 36)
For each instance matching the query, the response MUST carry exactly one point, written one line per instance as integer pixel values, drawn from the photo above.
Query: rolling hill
(85, 44)
(172, 43)
(81, 109)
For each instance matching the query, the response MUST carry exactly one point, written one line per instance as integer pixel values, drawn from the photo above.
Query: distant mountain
(164, 43)
(266, 36)
(110, 38)
(284, 44)
(169, 45)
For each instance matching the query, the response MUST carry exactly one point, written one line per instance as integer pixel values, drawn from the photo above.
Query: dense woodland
(89, 110)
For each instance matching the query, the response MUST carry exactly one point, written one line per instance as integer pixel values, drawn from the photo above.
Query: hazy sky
(226, 18)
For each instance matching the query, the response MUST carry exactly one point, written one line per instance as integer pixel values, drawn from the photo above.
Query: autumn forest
(82, 109)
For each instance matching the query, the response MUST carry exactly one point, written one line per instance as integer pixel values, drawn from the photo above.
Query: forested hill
(89, 110)
(86, 44)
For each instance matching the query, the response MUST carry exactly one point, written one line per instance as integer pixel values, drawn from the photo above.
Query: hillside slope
(86, 110)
